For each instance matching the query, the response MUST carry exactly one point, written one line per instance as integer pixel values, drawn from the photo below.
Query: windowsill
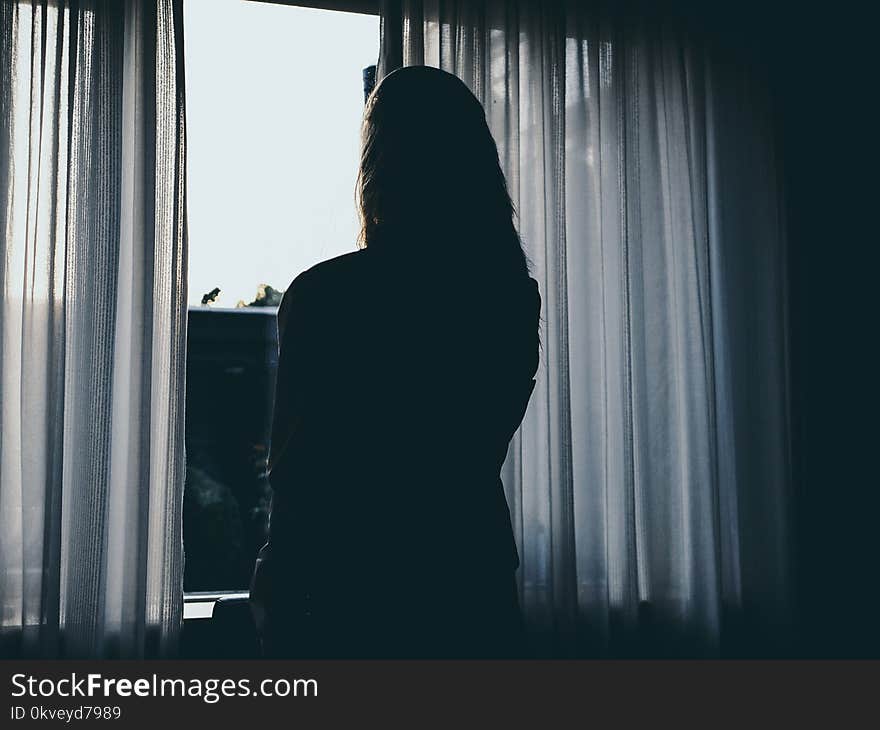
(233, 310)
(200, 604)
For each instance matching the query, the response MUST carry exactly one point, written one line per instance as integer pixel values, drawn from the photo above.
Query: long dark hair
(430, 176)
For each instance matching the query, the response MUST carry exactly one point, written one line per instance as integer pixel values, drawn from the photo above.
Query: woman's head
(429, 173)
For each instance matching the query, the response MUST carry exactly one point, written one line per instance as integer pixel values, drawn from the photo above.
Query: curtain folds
(649, 483)
(92, 327)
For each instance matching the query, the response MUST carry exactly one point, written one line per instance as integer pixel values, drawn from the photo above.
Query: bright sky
(274, 99)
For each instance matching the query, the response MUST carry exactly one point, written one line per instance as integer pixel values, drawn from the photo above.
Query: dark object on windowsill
(211, 296)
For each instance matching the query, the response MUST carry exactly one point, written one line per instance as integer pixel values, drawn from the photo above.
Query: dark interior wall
(814, 562)
(819, 91)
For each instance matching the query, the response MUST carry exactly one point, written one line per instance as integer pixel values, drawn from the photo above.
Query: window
(274, 102)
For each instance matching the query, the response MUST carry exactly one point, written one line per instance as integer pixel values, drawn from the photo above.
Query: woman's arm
(288, 417)
(292, 378)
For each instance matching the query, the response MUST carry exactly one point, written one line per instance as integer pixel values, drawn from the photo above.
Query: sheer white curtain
(649, 481)
(92, 327)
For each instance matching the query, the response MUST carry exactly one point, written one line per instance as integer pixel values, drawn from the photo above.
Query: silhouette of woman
(405, 368)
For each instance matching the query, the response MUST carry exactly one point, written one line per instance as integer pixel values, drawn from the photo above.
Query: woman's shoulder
(332, 269)
(322, 281)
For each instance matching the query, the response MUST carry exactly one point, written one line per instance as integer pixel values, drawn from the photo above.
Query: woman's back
(400, 384)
